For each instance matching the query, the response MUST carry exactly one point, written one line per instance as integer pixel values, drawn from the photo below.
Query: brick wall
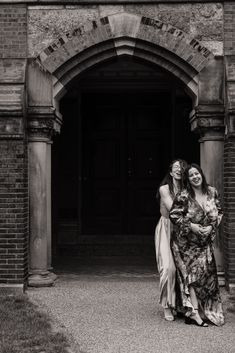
(13, 212)
(229, 29)
(12, 31)
(229, 209)
(13, 153)
(229, 150)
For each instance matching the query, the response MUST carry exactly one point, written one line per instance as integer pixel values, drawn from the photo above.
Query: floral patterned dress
(193, 253)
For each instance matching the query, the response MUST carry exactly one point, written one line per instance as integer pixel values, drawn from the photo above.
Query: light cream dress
(165, 261)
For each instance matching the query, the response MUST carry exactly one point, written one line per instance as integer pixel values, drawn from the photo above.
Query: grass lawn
(23, 329)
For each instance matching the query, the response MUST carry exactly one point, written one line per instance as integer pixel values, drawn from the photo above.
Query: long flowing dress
(193, 253)
(165, 261)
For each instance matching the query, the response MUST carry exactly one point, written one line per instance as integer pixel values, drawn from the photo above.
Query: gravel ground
(119, 313)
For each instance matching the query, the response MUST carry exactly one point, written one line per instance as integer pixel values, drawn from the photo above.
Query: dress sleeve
(179, 213)
(219, 208)
(216, 215)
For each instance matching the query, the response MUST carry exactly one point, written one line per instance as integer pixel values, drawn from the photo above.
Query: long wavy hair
(188, 186)
(168, 179)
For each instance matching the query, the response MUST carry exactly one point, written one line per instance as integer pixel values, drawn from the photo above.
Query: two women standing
(196, 214)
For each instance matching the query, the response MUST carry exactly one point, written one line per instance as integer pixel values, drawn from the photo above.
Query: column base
(40, 280)
(52, 275)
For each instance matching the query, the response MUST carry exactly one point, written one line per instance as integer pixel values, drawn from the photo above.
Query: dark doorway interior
(119, 133)
(125, 150)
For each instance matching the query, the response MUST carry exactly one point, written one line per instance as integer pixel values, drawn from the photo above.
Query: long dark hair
(168, 180)
(188, 186)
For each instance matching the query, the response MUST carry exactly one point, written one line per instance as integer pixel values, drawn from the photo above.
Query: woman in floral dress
(196, 213)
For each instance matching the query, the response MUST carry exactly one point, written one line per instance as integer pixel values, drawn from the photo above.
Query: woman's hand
(206, 230)
(196, 228)
(201, 230)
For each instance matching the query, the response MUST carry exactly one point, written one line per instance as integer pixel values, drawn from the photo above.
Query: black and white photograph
(117, 176)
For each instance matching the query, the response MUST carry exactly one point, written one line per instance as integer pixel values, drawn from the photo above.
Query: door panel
(125, 153)
(103, 170)
(149, 148)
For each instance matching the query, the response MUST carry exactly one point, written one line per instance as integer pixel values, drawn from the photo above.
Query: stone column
(49, 230)
(210, 126)
(40, 130)
(38, 269)
(49, 205)
(212, 154)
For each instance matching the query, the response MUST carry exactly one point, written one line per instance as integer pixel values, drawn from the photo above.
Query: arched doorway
(53, 76)
(123, 122)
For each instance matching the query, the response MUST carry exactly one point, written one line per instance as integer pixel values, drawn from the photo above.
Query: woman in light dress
(196, 213)
(170, 186)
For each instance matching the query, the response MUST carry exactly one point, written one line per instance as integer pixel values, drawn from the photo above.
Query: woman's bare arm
(166, 196)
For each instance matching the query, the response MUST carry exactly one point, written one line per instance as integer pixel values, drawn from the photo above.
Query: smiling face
(176, 171)
(195, 177)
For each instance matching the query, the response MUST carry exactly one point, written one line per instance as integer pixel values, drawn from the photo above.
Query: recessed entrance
(124, 152)
(123, 122)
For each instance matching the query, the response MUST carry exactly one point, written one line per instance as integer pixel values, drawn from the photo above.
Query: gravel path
(119, 313)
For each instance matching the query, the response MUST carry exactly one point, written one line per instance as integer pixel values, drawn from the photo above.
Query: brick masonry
(229, 30)
(13, 29)
(13, 212)
(229, 209)
(13, 54)
(13, 148)
(229, 152)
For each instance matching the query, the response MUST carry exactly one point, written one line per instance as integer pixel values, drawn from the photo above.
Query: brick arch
(125, 34)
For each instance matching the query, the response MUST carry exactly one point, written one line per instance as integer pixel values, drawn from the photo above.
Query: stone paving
(113, 308)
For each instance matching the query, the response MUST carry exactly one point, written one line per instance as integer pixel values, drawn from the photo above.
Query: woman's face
(195, 177)
(176, 171)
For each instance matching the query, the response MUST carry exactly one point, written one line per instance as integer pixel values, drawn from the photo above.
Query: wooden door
(125, 154)
(149, 151)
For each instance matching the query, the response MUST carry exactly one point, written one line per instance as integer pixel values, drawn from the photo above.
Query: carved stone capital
(42, 123)
(208, 122)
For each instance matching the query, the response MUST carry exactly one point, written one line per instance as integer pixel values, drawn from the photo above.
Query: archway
(153, 42)
(123, 122)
